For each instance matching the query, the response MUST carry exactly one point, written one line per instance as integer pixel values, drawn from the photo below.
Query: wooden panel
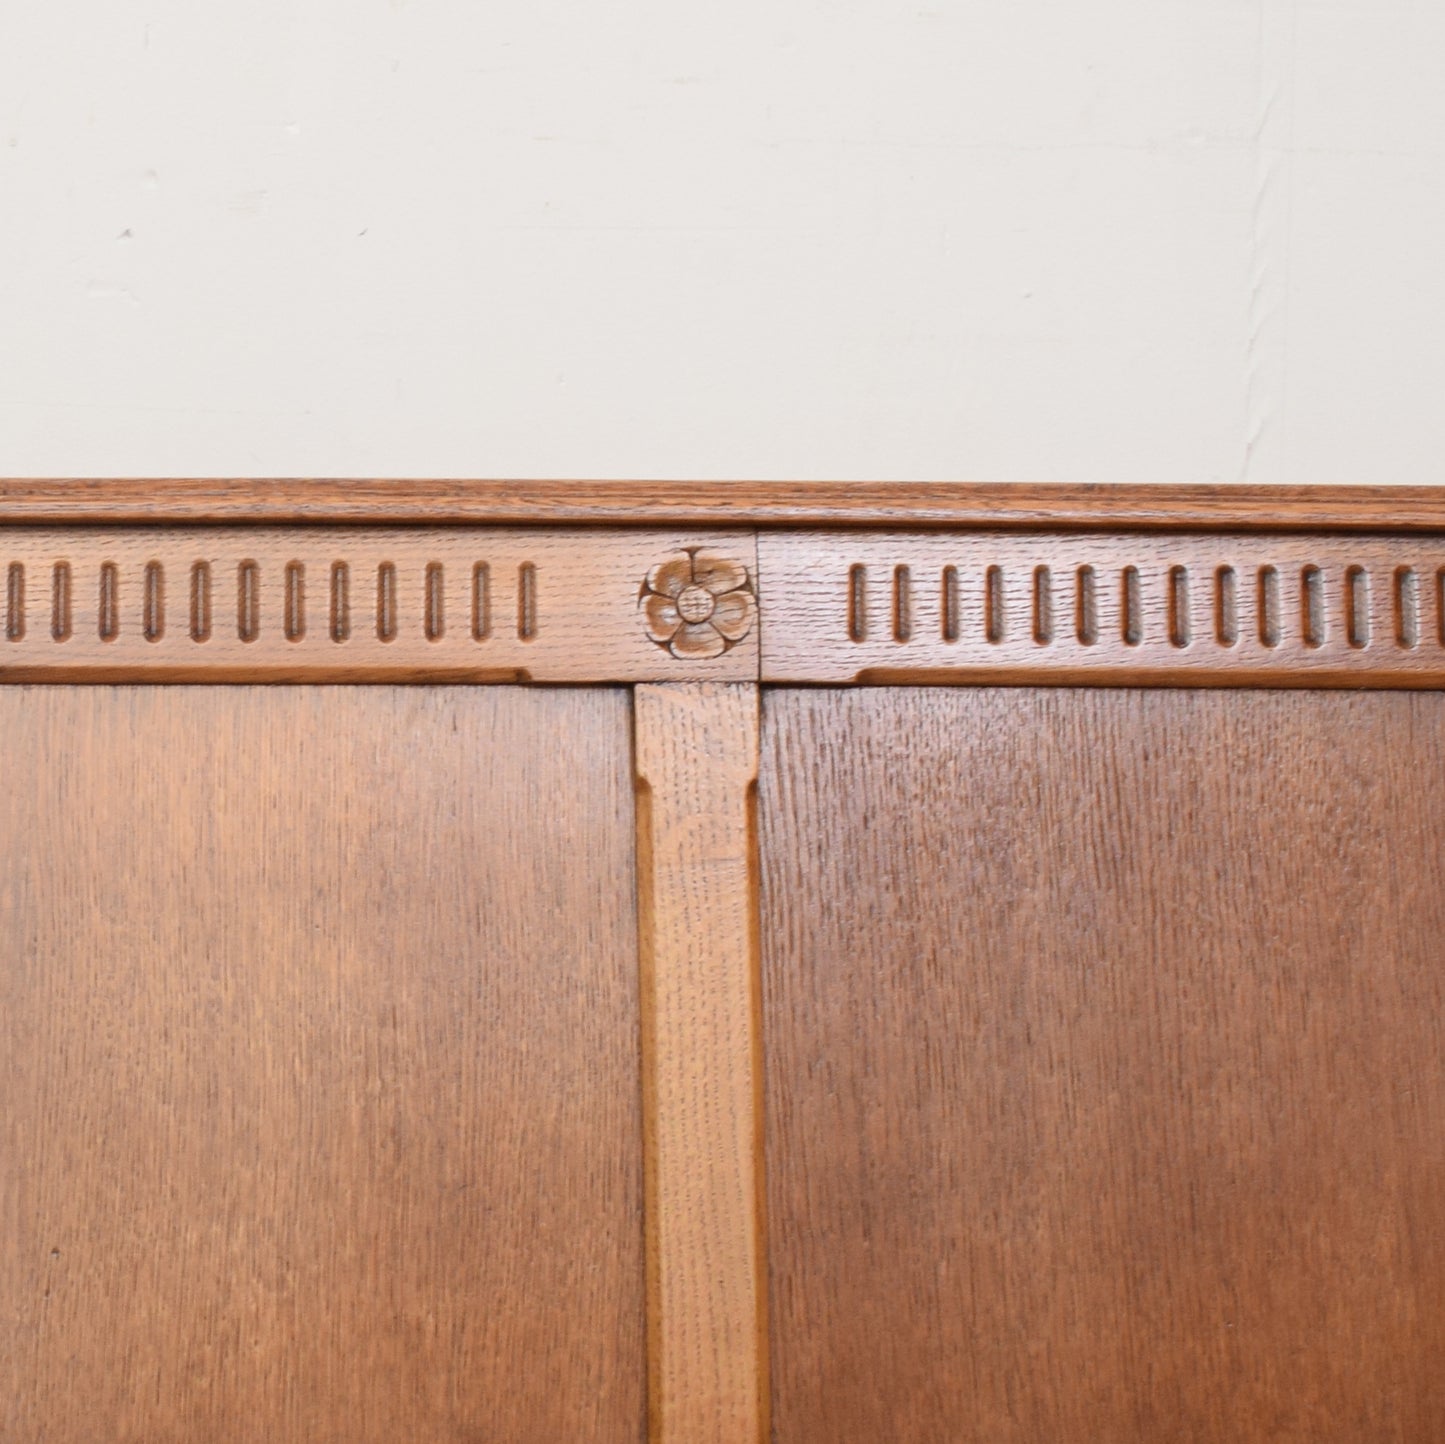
(319, 1112)
(697, 755)
(322, 604)
(1221, 609)
(684, 503)
(1105, 1065)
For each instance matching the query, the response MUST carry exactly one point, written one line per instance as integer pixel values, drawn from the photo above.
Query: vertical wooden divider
(696, 748)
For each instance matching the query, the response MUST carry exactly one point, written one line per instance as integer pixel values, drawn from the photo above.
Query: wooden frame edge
(994, 506)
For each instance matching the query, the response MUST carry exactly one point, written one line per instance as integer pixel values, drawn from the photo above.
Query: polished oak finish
(946, 963)
(1105, 1040)
(319, 1115)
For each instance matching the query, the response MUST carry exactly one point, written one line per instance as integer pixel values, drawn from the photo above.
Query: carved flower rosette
(697, 605)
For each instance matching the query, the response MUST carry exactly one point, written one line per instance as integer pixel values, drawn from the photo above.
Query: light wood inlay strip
(696, 758)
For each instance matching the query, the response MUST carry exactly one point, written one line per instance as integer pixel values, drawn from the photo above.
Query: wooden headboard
(718, 963)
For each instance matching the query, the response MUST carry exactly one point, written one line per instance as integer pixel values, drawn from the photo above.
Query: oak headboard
(812, 961)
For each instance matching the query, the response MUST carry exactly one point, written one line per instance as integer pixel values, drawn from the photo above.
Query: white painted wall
(1133, 240)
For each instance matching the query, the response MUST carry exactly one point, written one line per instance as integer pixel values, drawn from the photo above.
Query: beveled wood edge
(998, 506)
(695, 757)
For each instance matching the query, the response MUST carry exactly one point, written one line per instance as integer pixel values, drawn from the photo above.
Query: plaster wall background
(1047, 240)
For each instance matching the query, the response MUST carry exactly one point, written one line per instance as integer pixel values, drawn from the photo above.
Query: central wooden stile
(697, 761)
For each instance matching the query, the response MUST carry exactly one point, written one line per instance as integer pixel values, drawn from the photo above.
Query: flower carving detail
(697, 605)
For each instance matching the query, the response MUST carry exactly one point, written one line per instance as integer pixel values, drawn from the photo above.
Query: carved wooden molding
(1223, 609)
(1357, 601)
(698, 604)
(320, 604)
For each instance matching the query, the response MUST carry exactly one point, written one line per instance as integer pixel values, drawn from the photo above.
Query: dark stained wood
(319, 1106)
(1105, 1065)
(432, 502)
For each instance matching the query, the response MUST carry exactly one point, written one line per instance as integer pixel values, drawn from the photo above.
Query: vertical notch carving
(1131, 607)
(386, 602)
(153, 610)
(436, 621)
(481, 602)
(1357, 607)
(201, 602)
(1407, 608)
(1312, 607)
(1380, 597)
(1043, 606)
(1086, 611)
(526, 601)
(1226, 607)
(1268, 607)
(949, 620)
(993, 609)
(1179, 631)
(248, 601)
(60, 602)
(295, 601)
(340, 601)
(15, 602)
(108, 607)
(857, 603)
(902, 600)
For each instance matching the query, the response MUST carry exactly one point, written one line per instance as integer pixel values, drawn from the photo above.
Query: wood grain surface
(1221, 609)
(696, 758)
(339, 604)
(683, 503)
(319, 1108)
(1105, 1065)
